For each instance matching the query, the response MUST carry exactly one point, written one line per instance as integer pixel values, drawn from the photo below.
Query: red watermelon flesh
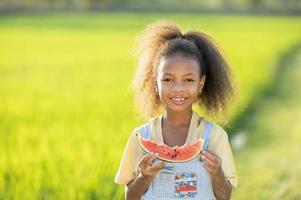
(171, 154)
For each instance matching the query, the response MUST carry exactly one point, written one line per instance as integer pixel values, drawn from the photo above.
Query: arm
(136, 188)
(221, 187)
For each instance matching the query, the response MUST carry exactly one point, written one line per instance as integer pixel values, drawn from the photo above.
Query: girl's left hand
(212, 162)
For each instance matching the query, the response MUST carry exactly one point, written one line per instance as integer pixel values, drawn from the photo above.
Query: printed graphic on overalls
(170, 183)
(186, 184)
(163, 184)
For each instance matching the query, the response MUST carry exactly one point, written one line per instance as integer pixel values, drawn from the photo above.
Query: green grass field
(269, 166)
(65, 105)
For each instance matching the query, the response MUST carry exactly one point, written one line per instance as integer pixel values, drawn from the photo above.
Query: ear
(156, 84)
(202, 81)
(156, 87)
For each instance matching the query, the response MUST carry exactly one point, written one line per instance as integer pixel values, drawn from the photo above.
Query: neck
(177, 119)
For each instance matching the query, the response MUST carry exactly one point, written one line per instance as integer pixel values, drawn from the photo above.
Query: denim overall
(188, 180)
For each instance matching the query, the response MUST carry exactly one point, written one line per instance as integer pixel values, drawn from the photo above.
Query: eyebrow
(187, 74)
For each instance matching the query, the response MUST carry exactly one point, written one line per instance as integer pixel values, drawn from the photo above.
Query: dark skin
(178, 84)
(221, 186)
(136, 188)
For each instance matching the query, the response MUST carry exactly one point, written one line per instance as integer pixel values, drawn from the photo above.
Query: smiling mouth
(178, 100)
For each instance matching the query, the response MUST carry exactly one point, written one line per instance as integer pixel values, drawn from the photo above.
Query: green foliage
(65, 105)
(269, 166)
(287, 6)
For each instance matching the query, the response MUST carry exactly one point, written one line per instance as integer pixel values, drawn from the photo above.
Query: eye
(166, 80)
(189, 80)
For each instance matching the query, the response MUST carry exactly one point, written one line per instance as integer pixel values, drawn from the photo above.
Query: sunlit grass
(65, 106)
(269, 166)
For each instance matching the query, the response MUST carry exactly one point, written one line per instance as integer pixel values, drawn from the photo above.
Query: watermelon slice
(171, 154)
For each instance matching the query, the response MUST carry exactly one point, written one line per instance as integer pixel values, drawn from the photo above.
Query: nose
(178, 86)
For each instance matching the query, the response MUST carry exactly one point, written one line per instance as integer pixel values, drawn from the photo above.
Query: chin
(179, 108)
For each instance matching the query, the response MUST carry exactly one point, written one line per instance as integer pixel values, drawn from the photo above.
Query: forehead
(178, 64)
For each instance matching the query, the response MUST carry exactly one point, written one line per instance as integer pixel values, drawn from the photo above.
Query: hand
(147, 168)
(212, 162)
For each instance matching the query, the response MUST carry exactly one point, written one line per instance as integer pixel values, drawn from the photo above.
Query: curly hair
(164, 39)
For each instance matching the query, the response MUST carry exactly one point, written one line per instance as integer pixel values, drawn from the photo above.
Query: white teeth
(178, 99)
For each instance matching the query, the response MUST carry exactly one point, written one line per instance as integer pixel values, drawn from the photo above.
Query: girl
(175, 71)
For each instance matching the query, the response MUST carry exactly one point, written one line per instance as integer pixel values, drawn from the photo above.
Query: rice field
(66, 109)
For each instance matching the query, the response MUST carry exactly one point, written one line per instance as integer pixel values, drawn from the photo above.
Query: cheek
(194, 93)
(163, 90)
(194, 90)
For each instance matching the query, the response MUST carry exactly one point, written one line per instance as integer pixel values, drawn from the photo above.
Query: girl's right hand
(148, 168)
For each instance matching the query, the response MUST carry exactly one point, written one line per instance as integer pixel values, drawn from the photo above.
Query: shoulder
(218, 135)
(219, 131)
(145, 128)
(141, 127)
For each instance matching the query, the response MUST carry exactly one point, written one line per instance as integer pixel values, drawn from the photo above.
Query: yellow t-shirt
(219, 143)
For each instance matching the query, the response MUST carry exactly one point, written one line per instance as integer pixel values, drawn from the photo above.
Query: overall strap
(145, 131)
(207, 134)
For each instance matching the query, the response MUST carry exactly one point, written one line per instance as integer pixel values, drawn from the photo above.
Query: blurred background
(243, 6)
(66, 109)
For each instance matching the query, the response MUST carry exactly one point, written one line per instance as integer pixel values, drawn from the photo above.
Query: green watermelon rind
(169, 160)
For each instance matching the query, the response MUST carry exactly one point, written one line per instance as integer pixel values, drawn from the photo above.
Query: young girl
(177, 70)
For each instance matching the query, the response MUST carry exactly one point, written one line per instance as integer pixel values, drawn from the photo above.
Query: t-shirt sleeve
(223, 150)
(127, 167)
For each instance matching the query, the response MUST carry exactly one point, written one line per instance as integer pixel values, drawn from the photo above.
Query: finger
(158, 166)
(202, 158)
(142, 162)
(208, 167)
(210, 156)
(210, 162)
(149, 157)
(211, 152)
(146, 160)
(205, 158)
(144, 157)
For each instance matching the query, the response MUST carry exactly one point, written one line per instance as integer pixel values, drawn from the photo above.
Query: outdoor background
(66, 109)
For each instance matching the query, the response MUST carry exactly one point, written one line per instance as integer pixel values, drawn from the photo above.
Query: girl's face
(179, 82)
